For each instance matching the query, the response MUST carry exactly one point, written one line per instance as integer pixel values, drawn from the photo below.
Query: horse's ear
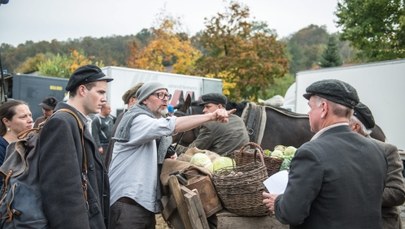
(186, 104)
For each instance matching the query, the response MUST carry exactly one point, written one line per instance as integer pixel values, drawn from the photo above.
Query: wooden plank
(228, 220)
(180, 203)
(169, 206)
(195, 208)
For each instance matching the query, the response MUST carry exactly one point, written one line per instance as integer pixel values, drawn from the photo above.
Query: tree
(166, 50)
(63, 65)
(306, 47)
(331, 57)
(375, 27)
(245, 54)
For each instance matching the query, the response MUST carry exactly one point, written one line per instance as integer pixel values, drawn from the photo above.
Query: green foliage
(57, 66)
(375, 27)
(331, 57)
(245, 54)
(306, 47)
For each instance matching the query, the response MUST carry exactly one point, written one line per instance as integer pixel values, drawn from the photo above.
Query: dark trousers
(126, 213)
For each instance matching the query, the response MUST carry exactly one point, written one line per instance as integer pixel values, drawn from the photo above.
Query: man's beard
(164, 112)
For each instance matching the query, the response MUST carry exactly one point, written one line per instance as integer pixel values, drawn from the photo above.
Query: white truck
(179, 85)
(380, 85)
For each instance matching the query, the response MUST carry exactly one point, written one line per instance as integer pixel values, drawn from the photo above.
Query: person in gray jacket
(363, 122)
(142, 139)
(336, 180)
(74, 197)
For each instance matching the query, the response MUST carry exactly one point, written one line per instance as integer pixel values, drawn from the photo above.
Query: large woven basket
(240, 187)
(243, 157)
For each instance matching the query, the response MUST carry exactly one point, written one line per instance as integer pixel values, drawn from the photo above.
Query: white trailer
(380, 85)
(179, 85)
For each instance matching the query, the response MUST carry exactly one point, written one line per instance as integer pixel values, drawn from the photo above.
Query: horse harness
(255, 118)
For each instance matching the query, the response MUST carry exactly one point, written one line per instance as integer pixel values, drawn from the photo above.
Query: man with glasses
(221, 138)
(142, 139)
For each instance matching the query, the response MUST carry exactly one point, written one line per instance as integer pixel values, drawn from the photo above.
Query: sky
(37, 20)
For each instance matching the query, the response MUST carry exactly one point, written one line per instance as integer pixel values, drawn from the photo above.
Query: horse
(267, 125)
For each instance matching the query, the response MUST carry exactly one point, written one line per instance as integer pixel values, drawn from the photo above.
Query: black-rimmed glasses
(162, 95)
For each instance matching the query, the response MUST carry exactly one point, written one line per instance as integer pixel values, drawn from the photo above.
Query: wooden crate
(183, 208)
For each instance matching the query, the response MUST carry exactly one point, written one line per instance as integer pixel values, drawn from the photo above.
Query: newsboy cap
(131, 93)
(334, 90)
(147, 89)
(364, 115)
(86, 74)
(49, 103)
(214, 98)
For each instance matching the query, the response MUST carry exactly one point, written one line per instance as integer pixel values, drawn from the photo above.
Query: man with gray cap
(221, 138)
(393, 196)
(336, 180)
(129, 98)
(73, 196)
(142, 139)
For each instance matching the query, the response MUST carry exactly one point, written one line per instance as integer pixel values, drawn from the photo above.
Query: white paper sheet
(277, 183)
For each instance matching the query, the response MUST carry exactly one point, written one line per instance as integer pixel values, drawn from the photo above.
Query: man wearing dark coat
(336, 180)
(66, 203)
(363, 122)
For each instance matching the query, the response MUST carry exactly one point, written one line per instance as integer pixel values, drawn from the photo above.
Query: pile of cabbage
(284, 152)
(213, 164)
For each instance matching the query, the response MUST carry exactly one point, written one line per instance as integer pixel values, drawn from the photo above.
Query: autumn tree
(63, 65)
(244, 53)
(331, 57)
(375, 27)
(167, 50)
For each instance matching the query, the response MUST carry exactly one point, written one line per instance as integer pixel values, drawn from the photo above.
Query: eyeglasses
(162, 96)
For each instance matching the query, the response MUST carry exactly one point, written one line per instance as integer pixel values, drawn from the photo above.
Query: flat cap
(364, 115)
(49, 103)
(131, 93)
(214, 98)
(334, 90)
(86, 74)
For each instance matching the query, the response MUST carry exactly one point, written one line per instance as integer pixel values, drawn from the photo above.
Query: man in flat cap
(129, 98)
(336, 180)
(221, 138)
(47, 105)
(393, 196)
(142, 140)
(73, 180)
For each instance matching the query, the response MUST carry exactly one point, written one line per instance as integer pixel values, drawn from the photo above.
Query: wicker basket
(240, 188)
(243, 157)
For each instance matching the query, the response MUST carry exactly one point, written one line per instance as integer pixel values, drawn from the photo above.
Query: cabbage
(290, 151)
(222, 162)
(279, 147)
(202, 160)
(277, 153)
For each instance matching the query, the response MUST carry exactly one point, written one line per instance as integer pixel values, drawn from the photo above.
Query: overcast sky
(36, 20)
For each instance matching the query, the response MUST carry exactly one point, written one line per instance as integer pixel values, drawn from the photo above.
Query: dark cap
(214, 98)
(84, 75)
(364, 115)
(131, 93)
(334, 90)
(49, 103)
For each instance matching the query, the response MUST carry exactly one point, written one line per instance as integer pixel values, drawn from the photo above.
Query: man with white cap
(141, 144)
(336, 180)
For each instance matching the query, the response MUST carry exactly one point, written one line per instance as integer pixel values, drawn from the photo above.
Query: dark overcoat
(60, 174)
(336, 181)
(394, 191)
